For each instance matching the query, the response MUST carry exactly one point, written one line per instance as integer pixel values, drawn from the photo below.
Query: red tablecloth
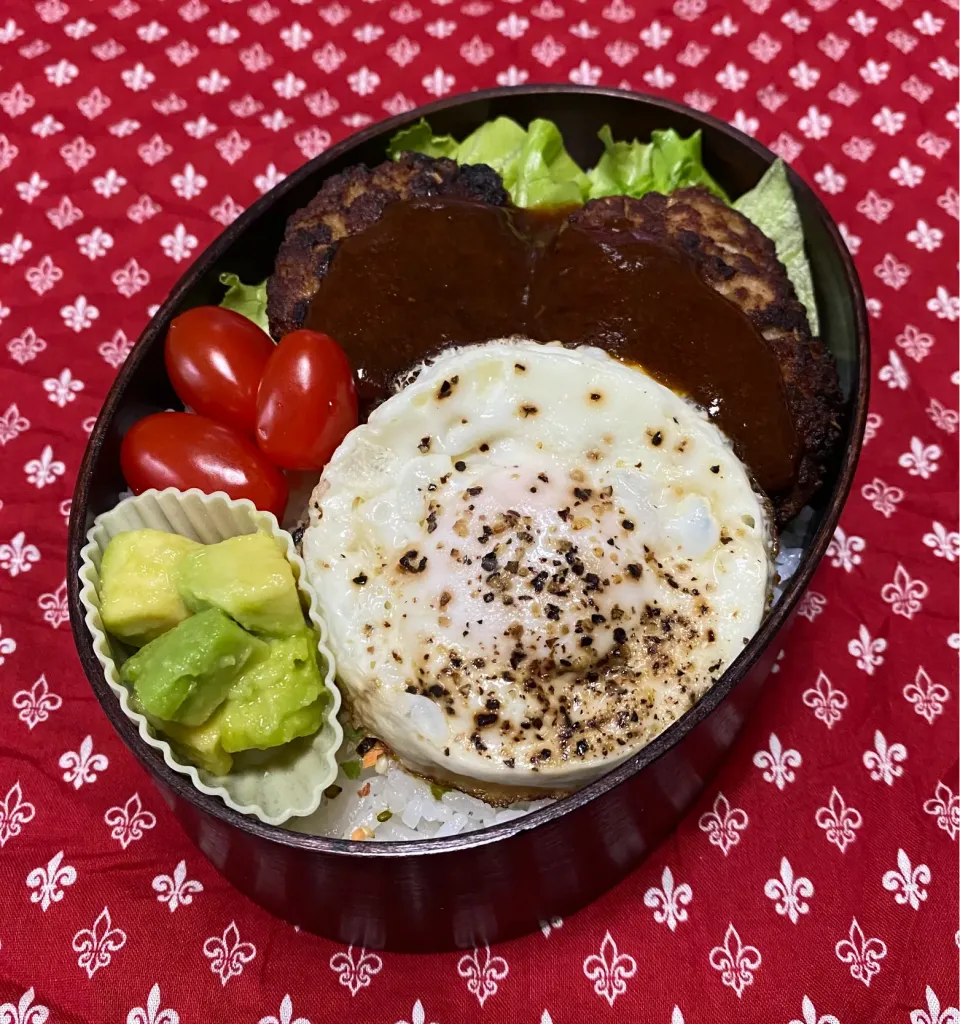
(816, 882)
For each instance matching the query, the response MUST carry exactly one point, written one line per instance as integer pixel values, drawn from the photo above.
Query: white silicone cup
(274, 794)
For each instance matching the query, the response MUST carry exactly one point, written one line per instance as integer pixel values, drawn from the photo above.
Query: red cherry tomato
(307, 401)
(178, 449)
(215, 358)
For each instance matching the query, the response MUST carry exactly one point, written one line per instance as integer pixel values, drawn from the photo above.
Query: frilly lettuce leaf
(250, 300)
(771, 206)
(419, 138)
(535, 167)
(664, 164)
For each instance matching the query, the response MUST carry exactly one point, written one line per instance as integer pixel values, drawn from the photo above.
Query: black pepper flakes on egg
(409, 563)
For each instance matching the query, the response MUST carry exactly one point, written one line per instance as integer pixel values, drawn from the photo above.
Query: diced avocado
(185, 675)
(200, 744)
(275, 699)
(247, 577)
(139, 599)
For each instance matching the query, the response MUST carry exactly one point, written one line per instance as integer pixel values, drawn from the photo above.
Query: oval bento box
(498, 882)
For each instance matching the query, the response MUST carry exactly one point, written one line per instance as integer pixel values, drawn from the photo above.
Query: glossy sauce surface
(432, 273)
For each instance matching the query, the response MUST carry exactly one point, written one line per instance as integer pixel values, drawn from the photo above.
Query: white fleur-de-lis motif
(906, 881)
(36, 703)
(270, 177)
(922, 458)
(811, 605)
(176, 890)
(926, 696)
(943, 542)
(18, 556)
(152, 1013)
(843, 551)
(668, 903)
(15, 812)
(810, 1015)
(549, 925)
(735, 961)
(25, 1012)
(839, 821)
(419, 1016)
(483, 977)
(862, 954)
(723, 824)
(227, 954)
(777, 763)
(944, 805)
(63, 389)
(933, 1013)
(44, 470)
(12, 423)
(54, 606)
(285, 1015)
(48, 882)
(97, 945)
(789, 892)
(904, 595)
(357, 972)
(178, 244)
(81, 766)
(129, 822)
(610, 970)
(867, 650)
(882, 497)
(883, 762)
(189, 183)
(80, 315)
(827, 702)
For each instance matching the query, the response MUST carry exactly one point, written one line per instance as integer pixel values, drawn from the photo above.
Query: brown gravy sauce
(432, 273)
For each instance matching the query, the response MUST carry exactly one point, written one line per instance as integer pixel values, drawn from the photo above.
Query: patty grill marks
(348, 203)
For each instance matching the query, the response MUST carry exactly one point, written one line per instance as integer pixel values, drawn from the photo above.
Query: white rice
(412, 808)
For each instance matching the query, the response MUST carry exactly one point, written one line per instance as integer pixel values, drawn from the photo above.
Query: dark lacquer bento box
(487, 885)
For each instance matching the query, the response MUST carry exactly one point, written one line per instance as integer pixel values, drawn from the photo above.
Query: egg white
(531, 560)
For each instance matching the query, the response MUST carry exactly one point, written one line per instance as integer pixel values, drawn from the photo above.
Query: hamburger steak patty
(348, 203)
(737, 260)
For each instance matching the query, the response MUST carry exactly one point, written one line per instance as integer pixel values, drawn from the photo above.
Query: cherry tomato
(215, 358)
(307, 401)
(179, 449)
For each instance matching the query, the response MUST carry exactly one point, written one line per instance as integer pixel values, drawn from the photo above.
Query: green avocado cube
(249, 578)
(185, 675)
(275, 699)
(139, 599)
(199, 744)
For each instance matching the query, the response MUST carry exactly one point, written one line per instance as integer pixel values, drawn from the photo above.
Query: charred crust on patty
(350, 202)
(739, 262)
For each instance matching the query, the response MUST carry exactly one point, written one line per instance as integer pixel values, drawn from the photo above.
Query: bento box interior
(248, 247)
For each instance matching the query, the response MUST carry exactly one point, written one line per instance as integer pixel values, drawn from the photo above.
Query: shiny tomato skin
(307, 401)
(215, 359)
(182, 450)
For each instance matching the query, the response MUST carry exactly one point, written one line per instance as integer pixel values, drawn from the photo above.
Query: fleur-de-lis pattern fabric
(815, 881)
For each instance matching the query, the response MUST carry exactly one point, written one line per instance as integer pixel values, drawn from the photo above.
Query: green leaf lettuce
(250, 300)
(664, 164)
(771, 206)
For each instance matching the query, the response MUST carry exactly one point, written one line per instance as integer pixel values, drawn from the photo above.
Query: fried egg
(531, 560)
